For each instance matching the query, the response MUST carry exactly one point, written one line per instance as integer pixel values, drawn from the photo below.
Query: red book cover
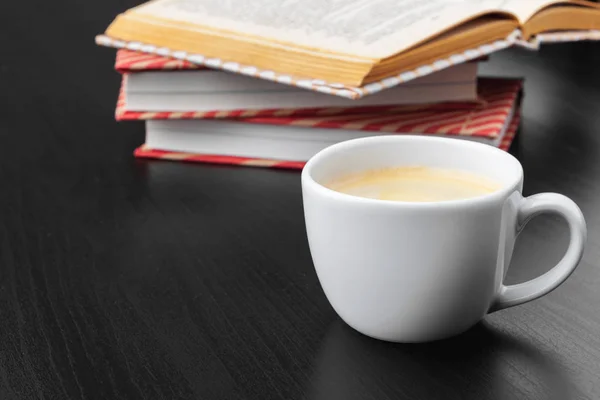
(498, 98)
(122, 114)
(128, 61)
(145, 152)
(486, 87)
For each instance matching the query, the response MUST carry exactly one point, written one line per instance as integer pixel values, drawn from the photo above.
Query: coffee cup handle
(512, 295)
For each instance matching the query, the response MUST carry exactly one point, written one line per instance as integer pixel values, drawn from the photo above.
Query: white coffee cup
(415, 272)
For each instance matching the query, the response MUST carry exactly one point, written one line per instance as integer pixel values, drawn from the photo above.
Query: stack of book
(214, 85)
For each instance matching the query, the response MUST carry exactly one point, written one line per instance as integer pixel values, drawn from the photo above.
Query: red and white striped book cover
(128, 61)
(148, 153)
(498, 98)
(123, 114)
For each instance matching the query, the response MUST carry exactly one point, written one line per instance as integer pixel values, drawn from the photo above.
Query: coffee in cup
(414, 184)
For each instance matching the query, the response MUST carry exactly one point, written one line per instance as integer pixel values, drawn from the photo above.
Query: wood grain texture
(125, 279)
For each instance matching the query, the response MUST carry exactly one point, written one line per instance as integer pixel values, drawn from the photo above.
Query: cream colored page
(525, 9)
(366, 28)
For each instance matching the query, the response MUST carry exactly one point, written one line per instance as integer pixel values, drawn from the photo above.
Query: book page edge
(338, 89)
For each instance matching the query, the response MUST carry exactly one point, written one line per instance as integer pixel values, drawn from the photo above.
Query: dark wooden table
(125, 279)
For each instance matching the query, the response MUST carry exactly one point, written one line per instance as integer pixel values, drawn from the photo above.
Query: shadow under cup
(411, 272)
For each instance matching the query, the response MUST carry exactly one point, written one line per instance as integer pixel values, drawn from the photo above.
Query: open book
(350, 42)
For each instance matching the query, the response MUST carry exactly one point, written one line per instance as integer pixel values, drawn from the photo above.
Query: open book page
(525, 9)
(362, 28)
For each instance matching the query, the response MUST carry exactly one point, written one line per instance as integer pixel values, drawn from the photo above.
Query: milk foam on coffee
(415, 184)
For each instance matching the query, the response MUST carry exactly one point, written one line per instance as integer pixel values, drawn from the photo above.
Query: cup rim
(504, 192)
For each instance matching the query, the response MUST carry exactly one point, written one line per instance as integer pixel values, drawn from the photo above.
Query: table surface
(128, 279)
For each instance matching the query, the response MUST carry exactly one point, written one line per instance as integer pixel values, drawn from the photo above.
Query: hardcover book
(295, 138)
(202, 90)
(145, 152)
(349, 48)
